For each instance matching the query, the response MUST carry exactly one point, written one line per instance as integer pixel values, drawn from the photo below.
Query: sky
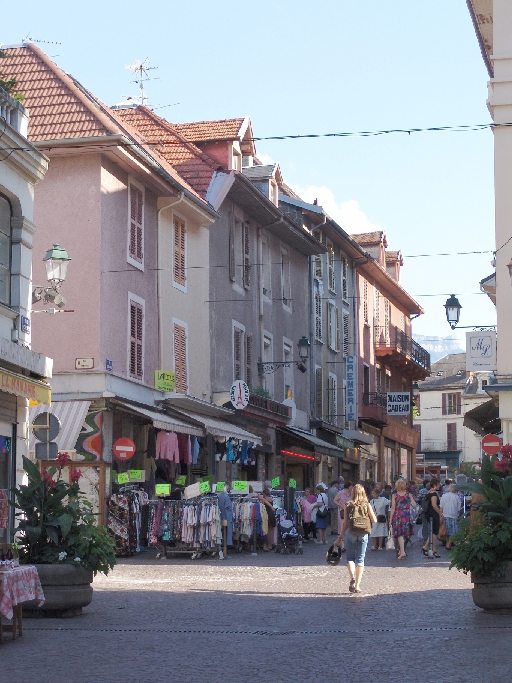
(300, 68)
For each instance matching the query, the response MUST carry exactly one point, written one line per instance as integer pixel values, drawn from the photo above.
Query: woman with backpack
(357, 524)
(400, 515)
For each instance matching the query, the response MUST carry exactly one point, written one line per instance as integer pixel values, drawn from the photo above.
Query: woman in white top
(450, 508)
(321, 505)
(380, 528)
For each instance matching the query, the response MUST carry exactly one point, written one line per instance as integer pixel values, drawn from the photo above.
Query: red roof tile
(368, 238)
(204, 131)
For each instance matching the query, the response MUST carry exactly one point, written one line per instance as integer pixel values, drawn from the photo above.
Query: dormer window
(273, 193)
(237, 161)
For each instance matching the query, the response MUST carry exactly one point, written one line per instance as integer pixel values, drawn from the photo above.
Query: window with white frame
(135, 224)
(388, 380)
(333, 325)
(180, 356)
(236, 250)
(344, 278)
(179, 252)
(318, 314)
(286, 294)
(332, 399)
(265, 267)
(330, 267)
(319, 393)
(246, 256)
(268, 357)
(136, 336)
(288, 371)
(5, 250)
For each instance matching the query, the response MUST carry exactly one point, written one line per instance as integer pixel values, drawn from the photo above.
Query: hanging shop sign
(26, 388)
(135, 475)
(481, 351)
(350, 401)
(398, 402)
(275, 482)
(163, 489)
(239, 394)
(165, 381)
(181, 481)
(192, 491)
(123, 448)
(123, 478)
(240, 486)
(204, 486)
(292, 483)
(220, 486)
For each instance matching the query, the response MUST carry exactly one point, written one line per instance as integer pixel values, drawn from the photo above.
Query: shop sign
(239, 394)
(165, 381)
(343, 442)
(481, 351)
(275, 482)
(84, 363)
(181, 481)
(240, 486)
(123, 478)
(350, 408)
(257, 486)
(219, 486)
(163, 489)
(135, 475)
(123, 448)
(19, 386)
(205, 486)
(398, 402)
(292, 483)
(192, 491)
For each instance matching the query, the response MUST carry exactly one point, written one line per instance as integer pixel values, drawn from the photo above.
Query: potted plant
(483, 545)
(58, 533)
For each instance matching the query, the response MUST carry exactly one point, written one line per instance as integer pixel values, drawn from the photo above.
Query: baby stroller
(289, 540)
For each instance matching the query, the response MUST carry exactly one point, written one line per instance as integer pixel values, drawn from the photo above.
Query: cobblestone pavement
(277, 618)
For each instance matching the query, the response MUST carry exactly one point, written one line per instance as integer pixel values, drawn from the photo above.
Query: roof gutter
(487, 62)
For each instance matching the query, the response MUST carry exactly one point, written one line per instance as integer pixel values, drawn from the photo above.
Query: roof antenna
(36, 40)
(140, 70)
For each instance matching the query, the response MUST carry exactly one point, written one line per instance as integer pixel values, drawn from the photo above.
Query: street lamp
(303, 345)
(452, 307)
(56, 262)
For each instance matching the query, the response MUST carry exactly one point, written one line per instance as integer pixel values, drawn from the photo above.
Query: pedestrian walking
(322, 513)
(341, 500)
(450, 507)
(308, 524)
(359, 516)
(433, 515)
(380, 528)
(268, 502)
(400, 516)
(333, 508)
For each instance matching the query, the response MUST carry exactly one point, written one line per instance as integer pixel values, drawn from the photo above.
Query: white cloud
(265, 159)
(347, 214)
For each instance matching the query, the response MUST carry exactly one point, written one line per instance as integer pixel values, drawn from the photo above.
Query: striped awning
(71, 415)
(162, 420)
(220, 427)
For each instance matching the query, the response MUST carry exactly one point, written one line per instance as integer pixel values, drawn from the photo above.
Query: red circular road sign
(124, 448)
(491, 444)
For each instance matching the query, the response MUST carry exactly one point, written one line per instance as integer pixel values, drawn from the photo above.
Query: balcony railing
(440, 446)
(373, 409)
(13, 112)
(270, 405)
(391, 337)
(373, 398)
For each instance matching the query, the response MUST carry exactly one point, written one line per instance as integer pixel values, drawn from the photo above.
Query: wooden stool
(16, 626)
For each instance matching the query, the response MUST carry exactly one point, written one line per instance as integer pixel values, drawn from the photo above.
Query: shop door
(6, 480)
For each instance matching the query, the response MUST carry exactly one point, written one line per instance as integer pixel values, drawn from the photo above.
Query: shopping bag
(390, 543)
(443, 534)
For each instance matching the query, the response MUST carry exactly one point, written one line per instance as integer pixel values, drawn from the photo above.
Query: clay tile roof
(204, 131)
(369, 238)
(393, 256)
(196, 167)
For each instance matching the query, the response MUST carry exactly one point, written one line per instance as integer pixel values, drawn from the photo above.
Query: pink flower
(63, 458)
(75, 476)
(48, 479)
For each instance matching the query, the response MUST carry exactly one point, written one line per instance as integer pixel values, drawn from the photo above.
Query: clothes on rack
(124, 520)
(194, 523)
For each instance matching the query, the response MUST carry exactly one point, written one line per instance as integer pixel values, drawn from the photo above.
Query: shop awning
(71, 415)
(484, 419)
(162, 420)
(358, 437)
(220, 427)
(19, 385)
(318, 445)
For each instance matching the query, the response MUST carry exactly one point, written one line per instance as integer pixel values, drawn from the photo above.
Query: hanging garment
(195, 449)
(183, 447)
(167, 446)
(230, 450)
(151, 445)
(226, 514)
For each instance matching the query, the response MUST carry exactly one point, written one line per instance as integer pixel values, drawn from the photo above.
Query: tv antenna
(28, 38)
(142, 76)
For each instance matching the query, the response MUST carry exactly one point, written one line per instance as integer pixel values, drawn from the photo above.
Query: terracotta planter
(67, 590)
(493, 594)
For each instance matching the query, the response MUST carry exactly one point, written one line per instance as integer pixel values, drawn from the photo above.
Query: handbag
(381, 519)
(390, 543)
(322, 512)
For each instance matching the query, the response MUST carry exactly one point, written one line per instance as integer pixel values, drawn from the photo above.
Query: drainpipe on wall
(177, 200)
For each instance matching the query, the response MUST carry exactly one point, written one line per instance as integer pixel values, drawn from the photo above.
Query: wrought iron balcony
(391, 341)
(271, 406)
(440, 446)
(373, 409)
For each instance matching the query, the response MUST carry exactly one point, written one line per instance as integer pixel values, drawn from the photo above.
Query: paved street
(272, 617)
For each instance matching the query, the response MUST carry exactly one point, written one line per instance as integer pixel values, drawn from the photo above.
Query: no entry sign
(124, 448)
(491, 444)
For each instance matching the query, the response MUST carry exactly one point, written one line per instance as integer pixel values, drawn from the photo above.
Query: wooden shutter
(136, 228)
(337, 330)
(247, 257)
(180, 359)
(248, 359)
(136, 340)
(237, 353)
(344, 275)
(444, 400)
(334, 401)
(232, 271)
(318, 265)
(459, 402)
(451, 436)
(365, 300)
(330, 324)
(319, 392)
(345, 334)
(318, 315)
(180, 233)
(330, 261)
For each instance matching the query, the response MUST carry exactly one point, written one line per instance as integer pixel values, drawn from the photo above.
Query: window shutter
(180, 359)
(330, 325)
(318, 265)
(179, 251)
(136, 228)
(319, 392)
(334, 401)
(345, 334)
(459, 403)
(365, 301)
(232, 273)
(247, 257)
(237, 351)
(136, 340)
(443, 403)
(451, 436)
(418, 429)
(330, 256)
(344, 275)
(248, 359)
(337, 346)
(318, 315)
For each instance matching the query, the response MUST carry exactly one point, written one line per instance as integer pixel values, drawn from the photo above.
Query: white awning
(162, 420)
(71, 415)
(221, 428)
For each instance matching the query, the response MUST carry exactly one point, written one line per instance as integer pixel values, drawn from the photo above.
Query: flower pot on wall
(491, 593)
(67, 589)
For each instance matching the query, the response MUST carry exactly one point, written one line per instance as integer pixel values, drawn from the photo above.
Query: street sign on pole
(491, 444)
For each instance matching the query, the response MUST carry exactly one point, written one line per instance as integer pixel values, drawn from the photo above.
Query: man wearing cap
(333, 508)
